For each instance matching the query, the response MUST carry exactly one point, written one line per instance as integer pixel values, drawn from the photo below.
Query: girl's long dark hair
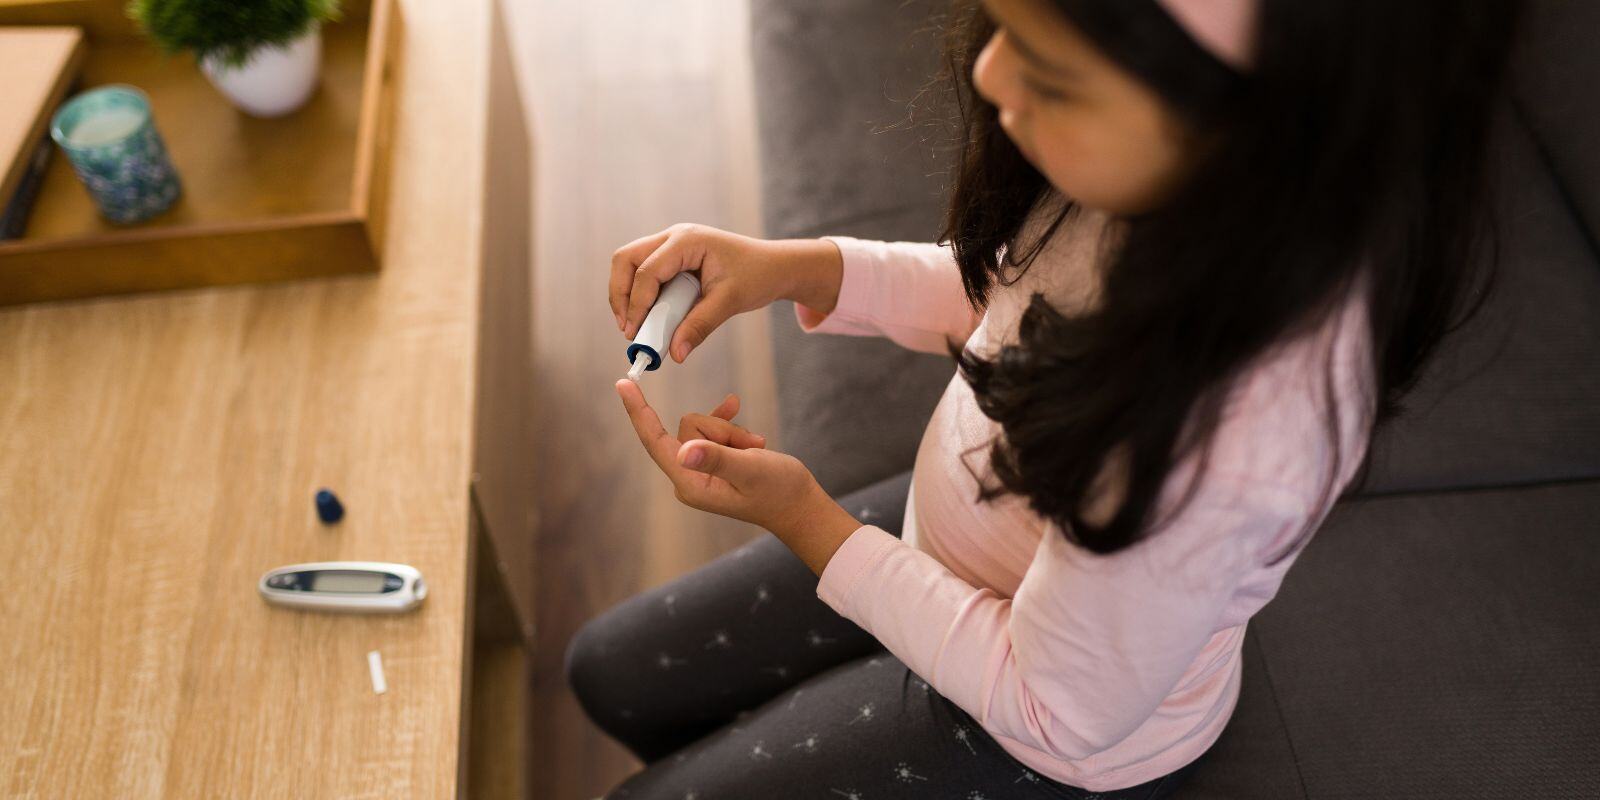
(1357, 140)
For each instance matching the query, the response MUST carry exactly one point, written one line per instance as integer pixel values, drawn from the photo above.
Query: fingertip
(628, 391)
(725, 410)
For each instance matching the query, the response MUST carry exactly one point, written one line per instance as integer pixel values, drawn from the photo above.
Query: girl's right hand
(737, 274)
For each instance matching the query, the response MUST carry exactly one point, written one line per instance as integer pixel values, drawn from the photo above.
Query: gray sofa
(1441, 635)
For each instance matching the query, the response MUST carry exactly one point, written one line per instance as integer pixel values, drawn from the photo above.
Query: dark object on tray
(15, 216)
(39, 64)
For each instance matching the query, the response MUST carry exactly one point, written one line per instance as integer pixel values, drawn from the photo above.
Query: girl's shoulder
(1300, 415)
(1293, 432)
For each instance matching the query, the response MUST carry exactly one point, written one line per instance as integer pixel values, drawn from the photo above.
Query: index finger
(624, 263)
(663, 449)
(728, 408)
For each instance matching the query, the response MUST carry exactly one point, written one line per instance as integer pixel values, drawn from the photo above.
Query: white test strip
(375, 664)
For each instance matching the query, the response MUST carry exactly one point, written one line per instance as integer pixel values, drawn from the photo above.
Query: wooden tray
(264, 199)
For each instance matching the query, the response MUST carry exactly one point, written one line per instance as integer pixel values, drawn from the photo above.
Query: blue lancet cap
(329, 509)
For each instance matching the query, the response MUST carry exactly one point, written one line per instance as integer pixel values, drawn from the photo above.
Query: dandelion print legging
(735, 681)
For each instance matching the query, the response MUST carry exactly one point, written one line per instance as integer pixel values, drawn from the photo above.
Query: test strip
(375, 664)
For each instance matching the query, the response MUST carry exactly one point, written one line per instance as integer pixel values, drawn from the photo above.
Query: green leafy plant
(228, 29)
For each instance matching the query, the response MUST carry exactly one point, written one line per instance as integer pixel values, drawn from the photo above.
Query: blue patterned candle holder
(111, 139)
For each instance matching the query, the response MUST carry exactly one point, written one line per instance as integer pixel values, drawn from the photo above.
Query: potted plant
(263, 54)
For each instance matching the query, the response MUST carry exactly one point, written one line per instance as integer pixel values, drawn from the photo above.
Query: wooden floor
(641, 117)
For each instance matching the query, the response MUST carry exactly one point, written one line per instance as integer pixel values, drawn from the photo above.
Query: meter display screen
(348, 582)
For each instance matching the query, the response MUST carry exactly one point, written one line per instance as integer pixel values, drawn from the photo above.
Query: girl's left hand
(717, 466)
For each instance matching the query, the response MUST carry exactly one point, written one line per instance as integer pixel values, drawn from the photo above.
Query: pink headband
(1224, 27)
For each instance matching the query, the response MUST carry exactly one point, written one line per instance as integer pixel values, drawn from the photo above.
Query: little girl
(1196, 251)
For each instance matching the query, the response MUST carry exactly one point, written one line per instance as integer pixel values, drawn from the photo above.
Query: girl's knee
(601, 666)
(585, 664)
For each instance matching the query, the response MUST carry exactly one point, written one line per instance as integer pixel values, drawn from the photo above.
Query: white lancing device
(649, 347)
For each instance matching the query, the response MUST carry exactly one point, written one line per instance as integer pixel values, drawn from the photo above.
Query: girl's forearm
(815, 529)
(816, 270)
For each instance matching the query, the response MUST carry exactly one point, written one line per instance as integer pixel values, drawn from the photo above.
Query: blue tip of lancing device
(655, 358)
(329, 509)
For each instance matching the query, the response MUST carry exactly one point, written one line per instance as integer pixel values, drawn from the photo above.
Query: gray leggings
(735, 681)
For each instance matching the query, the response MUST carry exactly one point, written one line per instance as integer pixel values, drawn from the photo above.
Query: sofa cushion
(835, 85)
(1554, 85)
(1442, 644)
(843, 153)
(1254, 759)
(1514, 395)
(852, 408)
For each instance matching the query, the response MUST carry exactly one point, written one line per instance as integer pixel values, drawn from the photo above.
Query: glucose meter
(371, 587)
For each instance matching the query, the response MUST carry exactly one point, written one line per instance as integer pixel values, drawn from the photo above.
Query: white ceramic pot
(272, 81)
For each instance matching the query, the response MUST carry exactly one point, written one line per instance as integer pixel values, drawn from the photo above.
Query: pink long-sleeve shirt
(1098, 671)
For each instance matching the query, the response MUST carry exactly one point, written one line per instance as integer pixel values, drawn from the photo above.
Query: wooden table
(160, 453)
